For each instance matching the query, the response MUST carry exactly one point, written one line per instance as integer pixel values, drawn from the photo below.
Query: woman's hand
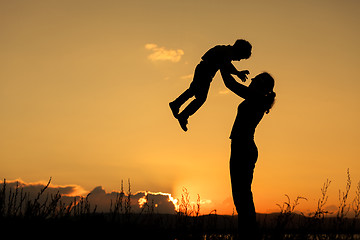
(234, 86)
(243, 75)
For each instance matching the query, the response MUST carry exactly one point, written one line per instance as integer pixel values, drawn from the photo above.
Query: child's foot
(174, 109)
(183, 122)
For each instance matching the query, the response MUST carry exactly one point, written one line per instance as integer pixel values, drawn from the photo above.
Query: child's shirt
(215, 57)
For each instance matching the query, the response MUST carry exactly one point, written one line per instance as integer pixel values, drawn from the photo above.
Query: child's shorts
(201, 81)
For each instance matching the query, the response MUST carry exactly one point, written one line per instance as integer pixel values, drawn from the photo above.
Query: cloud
(33, 188)
(224, 92)
(158, 202)
(140, 201)
(163, 54)
(186, 77)
(98, 197)
(161, 202)
(16, 191)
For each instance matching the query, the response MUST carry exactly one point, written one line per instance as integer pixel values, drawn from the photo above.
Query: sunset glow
(144, 200)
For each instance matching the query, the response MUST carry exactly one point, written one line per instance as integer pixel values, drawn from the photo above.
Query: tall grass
(18, 207)
(291, 224)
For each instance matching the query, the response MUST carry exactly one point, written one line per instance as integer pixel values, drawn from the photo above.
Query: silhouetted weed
(48, 211)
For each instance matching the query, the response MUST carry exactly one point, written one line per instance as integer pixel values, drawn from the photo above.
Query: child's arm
(233, 85)
(230, 68)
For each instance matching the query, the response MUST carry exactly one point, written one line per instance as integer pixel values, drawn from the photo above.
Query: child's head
(242, 49)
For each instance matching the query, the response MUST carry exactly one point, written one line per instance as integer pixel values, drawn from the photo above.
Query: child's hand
(242, 75)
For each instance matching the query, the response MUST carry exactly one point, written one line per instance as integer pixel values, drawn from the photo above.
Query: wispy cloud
(33, 188)
(224, 92)
(163, 54)
(186, 77)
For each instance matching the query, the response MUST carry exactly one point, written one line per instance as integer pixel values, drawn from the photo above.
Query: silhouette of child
(215, 58)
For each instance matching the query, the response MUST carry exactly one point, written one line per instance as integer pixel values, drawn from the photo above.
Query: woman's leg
(242, 164)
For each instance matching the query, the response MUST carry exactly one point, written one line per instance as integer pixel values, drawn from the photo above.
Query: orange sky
(85, 86)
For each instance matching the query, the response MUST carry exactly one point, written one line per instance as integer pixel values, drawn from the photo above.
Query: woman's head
(264, 84)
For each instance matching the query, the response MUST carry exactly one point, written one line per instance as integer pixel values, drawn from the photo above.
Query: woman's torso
(249, 114)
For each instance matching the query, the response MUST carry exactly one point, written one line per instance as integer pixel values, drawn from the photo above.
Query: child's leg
(176, 104)
(199, 88)
(194, 105)
(200, 93)
(183, 98)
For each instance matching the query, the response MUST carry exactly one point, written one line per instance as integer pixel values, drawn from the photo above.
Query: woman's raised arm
(233, 85)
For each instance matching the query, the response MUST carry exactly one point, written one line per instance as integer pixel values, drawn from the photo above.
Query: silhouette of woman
(259, 98)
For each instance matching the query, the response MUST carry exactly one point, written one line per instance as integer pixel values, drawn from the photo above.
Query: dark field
(48, 216)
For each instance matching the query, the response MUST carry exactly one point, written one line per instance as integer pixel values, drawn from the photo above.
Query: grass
(47, 212)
